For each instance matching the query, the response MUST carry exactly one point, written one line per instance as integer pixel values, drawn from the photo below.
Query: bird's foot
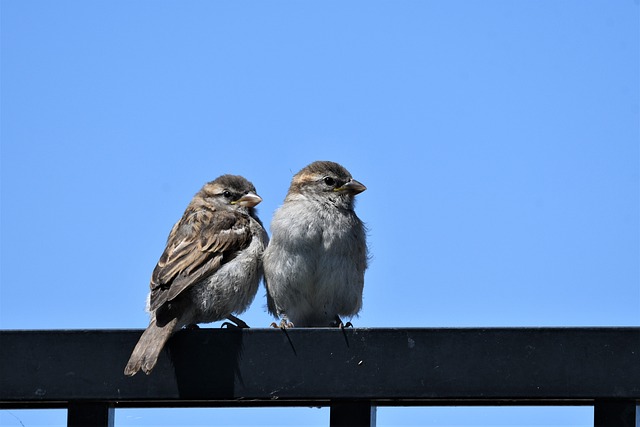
(338, 323)
(284, 324)
(234, 323)
(192, 326)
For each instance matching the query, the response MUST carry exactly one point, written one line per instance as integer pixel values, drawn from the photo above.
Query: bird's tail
(145, 354)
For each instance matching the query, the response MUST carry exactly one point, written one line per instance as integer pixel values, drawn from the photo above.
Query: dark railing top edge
(366, 328)
(360, 329)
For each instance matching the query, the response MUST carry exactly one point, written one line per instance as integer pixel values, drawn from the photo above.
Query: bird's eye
(226, 193)
(329, 181)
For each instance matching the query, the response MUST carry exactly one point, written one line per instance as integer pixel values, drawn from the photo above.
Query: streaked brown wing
(196, 248)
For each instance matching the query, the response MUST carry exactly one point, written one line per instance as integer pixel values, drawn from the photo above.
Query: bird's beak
(249, 200)
(352, 187)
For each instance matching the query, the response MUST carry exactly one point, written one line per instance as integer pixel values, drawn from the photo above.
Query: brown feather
(195, 249)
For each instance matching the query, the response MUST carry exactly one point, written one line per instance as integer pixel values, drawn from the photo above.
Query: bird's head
(326, 182)
(231, 192)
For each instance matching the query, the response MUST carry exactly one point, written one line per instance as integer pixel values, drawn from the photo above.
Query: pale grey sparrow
(314, 265)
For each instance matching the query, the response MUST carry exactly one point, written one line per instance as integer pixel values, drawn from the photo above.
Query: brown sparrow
(210, 268)
(314, 265)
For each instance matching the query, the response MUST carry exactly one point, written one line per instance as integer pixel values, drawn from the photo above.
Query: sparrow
(315, 262)
(210, 268)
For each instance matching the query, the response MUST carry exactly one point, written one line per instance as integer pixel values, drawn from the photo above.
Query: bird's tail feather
(145, 354)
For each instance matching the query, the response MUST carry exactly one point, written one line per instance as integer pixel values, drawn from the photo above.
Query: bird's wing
(197, 246)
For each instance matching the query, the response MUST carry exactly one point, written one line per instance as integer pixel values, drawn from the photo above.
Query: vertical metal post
(611, 413)
(90, 415)
(352, 414)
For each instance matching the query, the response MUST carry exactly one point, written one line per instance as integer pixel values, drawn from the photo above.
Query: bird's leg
(284, 323)
(234, 322)
(337, 323)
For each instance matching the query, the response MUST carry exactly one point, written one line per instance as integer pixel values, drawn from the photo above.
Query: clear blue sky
(499, 141)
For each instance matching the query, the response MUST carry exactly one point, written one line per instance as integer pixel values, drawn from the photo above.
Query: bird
(210, 269)
(316, 259)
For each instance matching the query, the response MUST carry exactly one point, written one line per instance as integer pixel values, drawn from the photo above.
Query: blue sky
(499, 141)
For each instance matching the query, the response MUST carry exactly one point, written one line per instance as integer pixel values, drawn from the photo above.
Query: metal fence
(352, 371)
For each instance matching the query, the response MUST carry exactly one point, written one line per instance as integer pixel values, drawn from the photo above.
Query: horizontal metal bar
(297, 367)
(300, 403)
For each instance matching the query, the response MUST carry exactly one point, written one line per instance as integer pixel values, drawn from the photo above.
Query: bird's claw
(284, 324)
(338, 323)
(234, 323)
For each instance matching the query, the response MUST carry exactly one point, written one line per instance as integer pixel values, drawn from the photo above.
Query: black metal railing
(352, 371)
